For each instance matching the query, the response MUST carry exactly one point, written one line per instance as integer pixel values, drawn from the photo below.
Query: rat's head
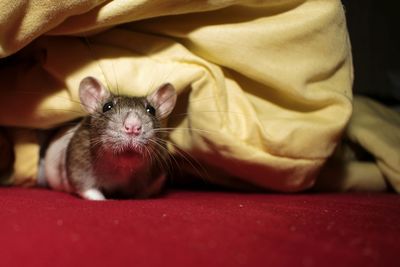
(123, 123)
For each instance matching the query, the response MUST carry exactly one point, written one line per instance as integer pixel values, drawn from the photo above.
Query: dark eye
(107, 106)
(150, 109)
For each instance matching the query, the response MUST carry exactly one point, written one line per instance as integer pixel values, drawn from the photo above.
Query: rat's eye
(107, 106)
(150, 109)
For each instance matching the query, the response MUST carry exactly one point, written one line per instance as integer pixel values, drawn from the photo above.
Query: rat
(116, 150)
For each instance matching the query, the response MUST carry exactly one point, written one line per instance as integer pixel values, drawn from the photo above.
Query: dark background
(374, 27)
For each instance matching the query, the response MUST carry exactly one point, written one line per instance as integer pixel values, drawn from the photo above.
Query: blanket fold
(369, 157)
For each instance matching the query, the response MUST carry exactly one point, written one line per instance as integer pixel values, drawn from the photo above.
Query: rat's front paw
(92, 194)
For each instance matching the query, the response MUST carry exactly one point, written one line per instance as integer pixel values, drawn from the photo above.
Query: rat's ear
(91, 93)
(163, 99)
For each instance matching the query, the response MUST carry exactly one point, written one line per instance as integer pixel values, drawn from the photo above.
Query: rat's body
(116, 150)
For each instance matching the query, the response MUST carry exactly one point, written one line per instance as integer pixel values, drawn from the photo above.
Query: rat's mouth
(131, 146)
(120, 142)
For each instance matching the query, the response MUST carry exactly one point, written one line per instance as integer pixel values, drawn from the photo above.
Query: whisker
(63, 110)
(96, 59)
(170, 129)
(115, 77)
(194, 164)
(159, 152)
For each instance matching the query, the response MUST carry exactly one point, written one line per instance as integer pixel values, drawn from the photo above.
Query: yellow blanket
(369, 157)
(265, 86)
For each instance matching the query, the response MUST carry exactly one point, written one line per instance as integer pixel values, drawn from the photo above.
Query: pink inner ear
(164, 100)
(92, 93)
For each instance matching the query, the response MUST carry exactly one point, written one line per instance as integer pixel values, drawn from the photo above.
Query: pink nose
(133, 129)
(132, 126)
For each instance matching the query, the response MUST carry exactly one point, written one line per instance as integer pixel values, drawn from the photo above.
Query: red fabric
(199, 228)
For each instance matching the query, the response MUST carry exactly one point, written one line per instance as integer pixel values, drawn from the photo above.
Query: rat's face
(124, 124)
(121, 123)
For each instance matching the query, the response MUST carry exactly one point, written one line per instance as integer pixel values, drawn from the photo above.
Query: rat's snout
(132, 124)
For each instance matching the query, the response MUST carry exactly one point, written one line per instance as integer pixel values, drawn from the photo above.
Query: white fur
(55, 161)
(92, 194)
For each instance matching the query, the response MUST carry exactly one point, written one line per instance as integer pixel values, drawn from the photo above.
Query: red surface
(184, 228)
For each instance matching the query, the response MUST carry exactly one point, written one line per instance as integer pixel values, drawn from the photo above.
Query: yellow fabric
(369, 159)
(265, 86)
(26, 151)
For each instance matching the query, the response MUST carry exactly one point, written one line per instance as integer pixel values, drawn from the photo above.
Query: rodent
(114, 151)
